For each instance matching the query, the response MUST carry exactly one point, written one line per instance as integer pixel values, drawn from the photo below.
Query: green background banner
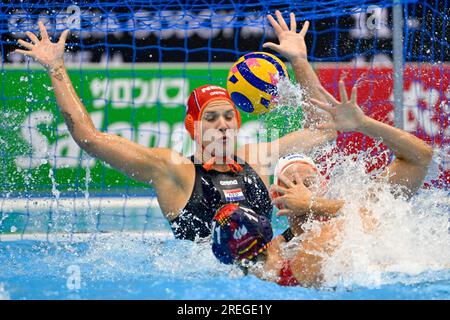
(144, 104)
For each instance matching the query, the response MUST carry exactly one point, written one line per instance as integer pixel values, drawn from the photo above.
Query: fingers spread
(286, 180)
(274, 24)
(271, 45)
(304, 29)
(343, 92)
(328, 96)
(63, 38)
(298, 179)
(32, 37)
(353, 96)
(322, 105)
(25, 44)
(24, 52)
(278, 189)
(281, 21)
(293, 22)
(43, 30)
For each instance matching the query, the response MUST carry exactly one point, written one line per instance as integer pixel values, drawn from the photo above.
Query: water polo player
(301, 170)
(298, 188)
(242, 237)
(189, 191)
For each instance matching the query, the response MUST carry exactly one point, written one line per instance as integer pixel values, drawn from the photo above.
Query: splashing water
(287, 115)
(113, 256)
(441, 159)
(292, 110)
(56, 194)
(410, 246)
(92, 215)
(117, 265)
(4, 295)
(410, 238)
(403, 252)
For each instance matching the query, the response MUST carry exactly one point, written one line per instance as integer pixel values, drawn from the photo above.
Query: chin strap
(233, 165)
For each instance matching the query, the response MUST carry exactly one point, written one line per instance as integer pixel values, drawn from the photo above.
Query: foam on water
(4, 295)
(119, 255)
(120, 266)
(411, 237)
(410, 245)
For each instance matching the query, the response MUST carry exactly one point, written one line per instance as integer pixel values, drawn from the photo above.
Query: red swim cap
(197, 101)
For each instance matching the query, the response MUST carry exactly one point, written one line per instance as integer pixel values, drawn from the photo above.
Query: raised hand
(292, 44)
(345, 115)
(47, 53)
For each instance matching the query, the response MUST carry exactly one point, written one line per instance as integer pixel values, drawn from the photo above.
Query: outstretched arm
(292, 46)
(138, 162)
(412, 154)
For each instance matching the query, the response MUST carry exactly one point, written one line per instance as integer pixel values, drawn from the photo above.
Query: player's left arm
(413, 155)
(263, 156)
(303, 141)
(292, 46)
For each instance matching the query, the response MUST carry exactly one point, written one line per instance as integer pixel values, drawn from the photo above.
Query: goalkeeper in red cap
(190, 190)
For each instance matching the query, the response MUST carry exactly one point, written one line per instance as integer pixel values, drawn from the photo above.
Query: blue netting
(117, 40)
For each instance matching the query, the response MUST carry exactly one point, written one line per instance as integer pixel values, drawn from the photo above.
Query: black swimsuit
(212, 189)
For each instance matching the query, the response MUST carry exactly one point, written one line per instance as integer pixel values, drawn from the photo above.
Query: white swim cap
(288, 160)
(291, 159)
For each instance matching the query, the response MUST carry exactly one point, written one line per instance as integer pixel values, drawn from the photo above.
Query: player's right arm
(293, 47)
(138, 162)
(413, 155)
